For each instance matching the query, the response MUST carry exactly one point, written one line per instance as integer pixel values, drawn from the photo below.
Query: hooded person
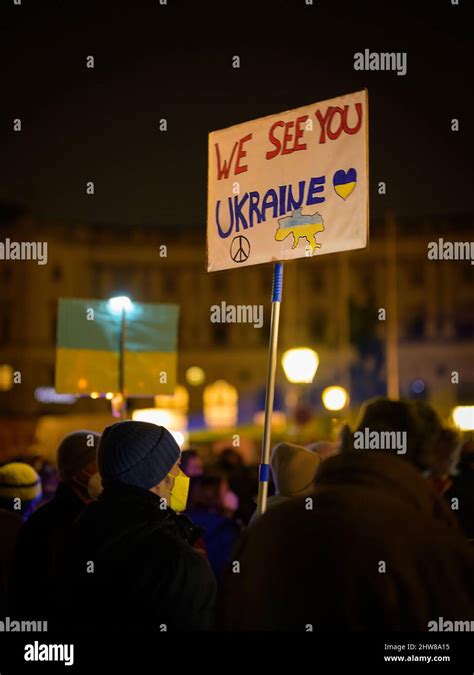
(383, 415)
(294, 470)
(130, 553)
(20, 491)
(42, 537)
(374, 549)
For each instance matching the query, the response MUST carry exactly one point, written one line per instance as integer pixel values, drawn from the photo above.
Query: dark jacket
(220, 535)
(462, 489)
(10, 524)
(376, 549)
(40, 542)
(131, 566)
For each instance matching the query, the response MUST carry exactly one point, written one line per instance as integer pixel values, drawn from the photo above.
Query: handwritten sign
(289, 186)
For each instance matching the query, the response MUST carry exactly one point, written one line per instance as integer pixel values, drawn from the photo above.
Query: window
(220, 334)
(169, 282)
(56, 273)
(415, 328)
(5, 324)
(317, 326)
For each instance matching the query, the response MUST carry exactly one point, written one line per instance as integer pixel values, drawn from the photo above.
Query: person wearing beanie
(20, 488)
(143, 570)
(20, 491)
(294, 470)
(42, 537)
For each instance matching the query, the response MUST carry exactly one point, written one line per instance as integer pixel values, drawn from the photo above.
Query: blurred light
(94, 394)
(418, 386)
(220, 405)
(463, 416)
(170, 419)
(50, 395)
(335, 398)
(82, 383)
(117, 405)
(300, 364)
(109, 395)
(195, 376)
(278, 419)
(178, 437)
(6, 377)
(177, 401)
(120, 303)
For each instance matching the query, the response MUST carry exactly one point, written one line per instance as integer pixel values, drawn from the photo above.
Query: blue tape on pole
(277, 282)
(264, 473)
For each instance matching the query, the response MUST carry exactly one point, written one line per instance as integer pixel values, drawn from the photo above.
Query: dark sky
(175, 61)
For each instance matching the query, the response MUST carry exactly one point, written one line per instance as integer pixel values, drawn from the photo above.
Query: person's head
(145, 456)
(20, 488)
(77, 467)
(324, 449)
(191, 463)
(294, 469)
(437, 440)
(229, 460)
(212, 493)
(446, 453)
(385, 415)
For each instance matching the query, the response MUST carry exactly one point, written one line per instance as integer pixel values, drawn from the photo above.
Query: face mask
(179, 493)
(81, 481)
(95, 487)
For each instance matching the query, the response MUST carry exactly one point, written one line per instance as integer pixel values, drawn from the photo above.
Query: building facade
(331, 303)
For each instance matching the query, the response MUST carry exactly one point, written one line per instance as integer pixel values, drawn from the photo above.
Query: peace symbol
(240, 249)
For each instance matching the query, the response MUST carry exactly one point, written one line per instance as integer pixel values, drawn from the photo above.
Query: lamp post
(335, 398)
(300, 365)
(121, 304)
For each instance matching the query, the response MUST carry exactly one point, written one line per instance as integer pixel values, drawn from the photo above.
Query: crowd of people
(141, 536)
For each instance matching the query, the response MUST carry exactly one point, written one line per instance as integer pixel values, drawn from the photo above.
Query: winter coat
(10, 524)
(131, 566)
(377, 550)
(39, 543)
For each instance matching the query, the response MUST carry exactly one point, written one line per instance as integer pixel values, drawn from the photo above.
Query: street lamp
(300, 364)
(463, 416)
(195, 376)
(121, 304)
(335, 398)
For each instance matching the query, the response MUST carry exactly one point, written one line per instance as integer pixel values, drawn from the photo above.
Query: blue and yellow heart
(344, 182)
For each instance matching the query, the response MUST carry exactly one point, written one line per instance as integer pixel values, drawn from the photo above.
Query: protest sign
(290, 185)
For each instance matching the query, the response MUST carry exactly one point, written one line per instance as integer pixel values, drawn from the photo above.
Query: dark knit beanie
(136, 453)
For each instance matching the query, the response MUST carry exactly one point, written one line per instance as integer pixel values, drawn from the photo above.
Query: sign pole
(123, 403)
(264, 472)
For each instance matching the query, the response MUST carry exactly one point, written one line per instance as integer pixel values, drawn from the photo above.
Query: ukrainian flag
(89, 337)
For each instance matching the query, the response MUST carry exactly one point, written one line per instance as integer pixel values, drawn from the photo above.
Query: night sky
(175, 62)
